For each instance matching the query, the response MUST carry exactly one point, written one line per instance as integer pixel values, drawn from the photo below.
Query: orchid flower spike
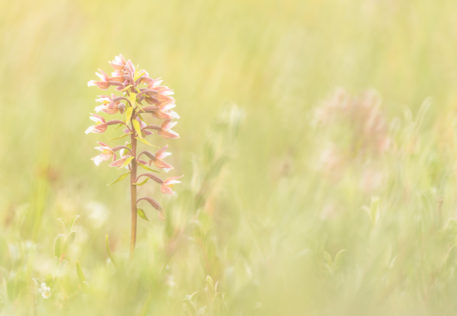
(137, 99)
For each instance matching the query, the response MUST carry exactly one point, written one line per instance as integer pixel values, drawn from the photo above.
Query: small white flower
(44, 290)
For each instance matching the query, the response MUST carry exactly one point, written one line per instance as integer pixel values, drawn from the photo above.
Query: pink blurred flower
(151, 83)
(163, 100)
(107, 153)
(124, 71)
(100, 124)
(164, 90)
(110, 105)
(152, 96)
(166, 129)
(103, 84)
(119, 162)
(155, 93)
(168, 183)
(158, 159)
(118, 62)
(166, 113)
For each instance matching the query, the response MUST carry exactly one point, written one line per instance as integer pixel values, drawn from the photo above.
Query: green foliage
(128, 114)
(120, 178)
(145, 167)
(142, 214)
(136, 126)
(126, 162)
(277, 214)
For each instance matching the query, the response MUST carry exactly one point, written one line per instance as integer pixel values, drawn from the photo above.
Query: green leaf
(147, 168)
(210, 281)
(144, 141)
(373, 210)
(132, 98)
(128, 114)
(138, 75)
(58, 245)
(121, 177)
(137, 127)
(142, 182)
(75, 219)
(71, 237)
(127, 161)
(80, 274)
(140, 106)
(142, 214)
(61, 221)
(126, 88)
(120, 137)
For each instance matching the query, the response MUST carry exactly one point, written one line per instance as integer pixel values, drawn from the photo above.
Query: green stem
(133, 171)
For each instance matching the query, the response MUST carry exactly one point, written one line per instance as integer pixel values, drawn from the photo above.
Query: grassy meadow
(318, 147)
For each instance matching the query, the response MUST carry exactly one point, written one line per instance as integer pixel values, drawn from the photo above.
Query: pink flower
(158, 159)
(109, 105)
(100, 124)
(103, 84)
(152, 83)
(168, 183)
(130, 68)
(154, 97)
(165, 130)
(107, 153)
(118, 62)
(119, 162)
(124, 71)
(165, 90)
(155, 93)
(166, 113)
(164, 100)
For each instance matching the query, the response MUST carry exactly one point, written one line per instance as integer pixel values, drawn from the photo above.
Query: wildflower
(135, 88)
(121, 161)
(100, 124)
(158, 159)
(103, 84)
(164, 99)
(107, 153)
(109, 105)
(104, 99)
(44, 290)
(153, 83)
(118, 62)
(168, 183)
(165, 129)
(166, 113)
(155, 93)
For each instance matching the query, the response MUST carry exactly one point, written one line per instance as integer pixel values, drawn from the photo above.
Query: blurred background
(318, 145)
